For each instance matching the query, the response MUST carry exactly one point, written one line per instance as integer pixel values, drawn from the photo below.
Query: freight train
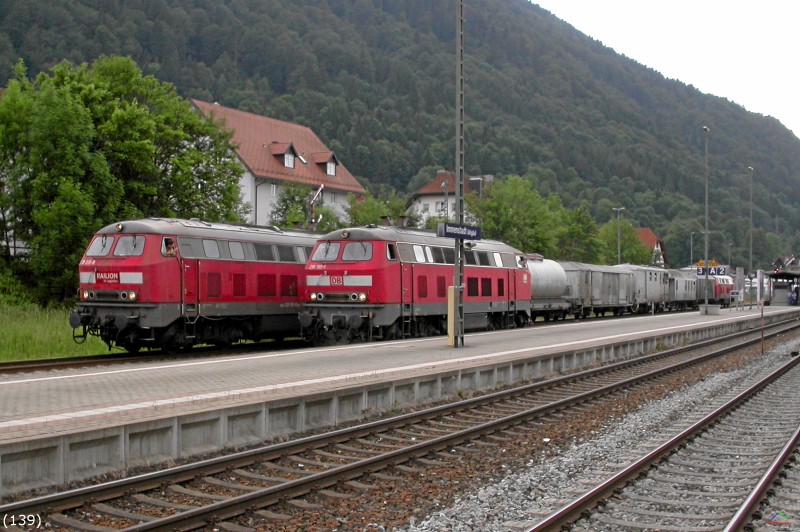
(172, 283)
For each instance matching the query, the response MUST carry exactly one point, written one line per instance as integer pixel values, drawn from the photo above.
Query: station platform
(69, 425)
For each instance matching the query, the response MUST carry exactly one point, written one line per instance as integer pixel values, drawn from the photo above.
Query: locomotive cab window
(357, 251)
(129, 246)
(326, 252)
(391, 253)
(419, 253)
(100, 246)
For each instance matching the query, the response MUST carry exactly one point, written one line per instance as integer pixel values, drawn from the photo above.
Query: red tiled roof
(647, 237)
(261, 143)
(435, 186)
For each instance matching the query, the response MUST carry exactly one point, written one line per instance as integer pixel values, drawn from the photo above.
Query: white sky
(745, 51)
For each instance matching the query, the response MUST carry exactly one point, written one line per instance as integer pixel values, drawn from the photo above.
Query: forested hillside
(375, 79)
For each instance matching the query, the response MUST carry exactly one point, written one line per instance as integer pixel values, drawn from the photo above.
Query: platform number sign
(714, 270)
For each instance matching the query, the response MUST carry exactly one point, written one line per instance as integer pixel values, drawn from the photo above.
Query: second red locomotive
(389, 282)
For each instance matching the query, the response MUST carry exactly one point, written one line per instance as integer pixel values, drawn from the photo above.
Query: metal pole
(458, 274)
(750, 260)
(691, 249)
(705, 260)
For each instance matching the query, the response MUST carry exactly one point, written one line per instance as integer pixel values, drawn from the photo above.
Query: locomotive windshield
(129, 246)
(100, 246)
(326, 252)
(353, 251)
(357, 251)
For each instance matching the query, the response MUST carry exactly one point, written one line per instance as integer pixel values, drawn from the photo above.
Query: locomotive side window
(286, 254)
(429, 254)
(469, 257)
(265, 252)
(100, 246)
(391, 253)
(357, 251)
(211, 249)
(509, 261)
(419, 253)
(406, 253)
(483, 258)
(129, 246)
(326, 252)
(498, 260)
(191, 248)
(438, 255)
(449, 255)
(237, 250)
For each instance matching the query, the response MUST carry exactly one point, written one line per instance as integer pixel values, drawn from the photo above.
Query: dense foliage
(375, 78)
(84, 146)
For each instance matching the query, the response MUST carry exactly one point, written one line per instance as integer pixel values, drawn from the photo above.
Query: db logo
(337, 280)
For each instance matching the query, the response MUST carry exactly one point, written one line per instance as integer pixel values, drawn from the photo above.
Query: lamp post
(705, 258)
(619, 244)
(691, 249)
(729, 254)
(750, 258)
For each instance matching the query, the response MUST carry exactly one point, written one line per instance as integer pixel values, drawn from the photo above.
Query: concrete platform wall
(51, 461)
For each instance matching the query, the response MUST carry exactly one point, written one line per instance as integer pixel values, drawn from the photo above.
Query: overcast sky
(745, 51)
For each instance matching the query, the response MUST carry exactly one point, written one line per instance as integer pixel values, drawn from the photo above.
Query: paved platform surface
(43, 403)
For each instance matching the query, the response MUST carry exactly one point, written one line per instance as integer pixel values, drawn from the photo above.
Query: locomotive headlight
(362, 297)
(313, 296)
(132, 295)
(84, 295)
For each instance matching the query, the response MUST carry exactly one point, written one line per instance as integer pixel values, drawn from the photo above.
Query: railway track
(713, 475)
(282, 482)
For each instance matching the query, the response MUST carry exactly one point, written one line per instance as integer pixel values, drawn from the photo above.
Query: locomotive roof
(412, 236)
(199, 228)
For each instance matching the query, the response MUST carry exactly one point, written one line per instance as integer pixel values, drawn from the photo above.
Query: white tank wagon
(548, 287)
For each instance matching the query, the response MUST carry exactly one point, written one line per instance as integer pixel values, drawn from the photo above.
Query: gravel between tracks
(514, 501)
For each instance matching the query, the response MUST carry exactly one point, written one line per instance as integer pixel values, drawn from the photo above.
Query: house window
(288, 160)
(273, 189)
(330, 168)
(426, 207)
(332, 197)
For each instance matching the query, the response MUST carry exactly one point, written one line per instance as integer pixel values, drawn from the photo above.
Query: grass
(28, 332)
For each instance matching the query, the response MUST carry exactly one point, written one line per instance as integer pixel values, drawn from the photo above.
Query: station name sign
(464, 232)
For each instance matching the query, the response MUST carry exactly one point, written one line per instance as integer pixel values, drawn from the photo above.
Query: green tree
(293, 207)
(512, 211)
(371, 209)
(632, 251)
(84, 146)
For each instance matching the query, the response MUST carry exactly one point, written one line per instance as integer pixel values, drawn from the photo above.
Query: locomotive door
(406, 291)
(190, 287)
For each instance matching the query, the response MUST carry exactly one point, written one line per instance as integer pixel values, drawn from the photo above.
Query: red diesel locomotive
(389, 282)
(171, 283)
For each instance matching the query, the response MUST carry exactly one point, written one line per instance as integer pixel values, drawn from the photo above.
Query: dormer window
(330, 168)
(288, 159)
